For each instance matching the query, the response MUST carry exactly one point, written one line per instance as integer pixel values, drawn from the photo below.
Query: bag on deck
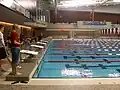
(3, 53)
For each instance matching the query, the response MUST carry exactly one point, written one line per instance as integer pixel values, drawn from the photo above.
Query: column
(109, 32)
(116, 31)
(56, 11)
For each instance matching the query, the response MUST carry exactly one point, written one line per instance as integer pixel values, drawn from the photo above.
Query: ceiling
(62, 4)
(79, 5)
(50, 4)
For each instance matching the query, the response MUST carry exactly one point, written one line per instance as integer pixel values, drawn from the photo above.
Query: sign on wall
(94, 23)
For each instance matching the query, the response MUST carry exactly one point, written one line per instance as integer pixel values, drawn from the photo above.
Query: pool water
(83, 58)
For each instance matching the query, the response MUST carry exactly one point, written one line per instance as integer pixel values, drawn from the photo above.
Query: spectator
(40, 37)
(22, 37)
(9, 41)
(3, 53)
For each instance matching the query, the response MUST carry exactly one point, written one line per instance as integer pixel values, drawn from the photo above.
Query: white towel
(29, 52)
(37, 46)
(41, 43)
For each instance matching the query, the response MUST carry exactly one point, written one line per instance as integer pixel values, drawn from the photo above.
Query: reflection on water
(74, 72)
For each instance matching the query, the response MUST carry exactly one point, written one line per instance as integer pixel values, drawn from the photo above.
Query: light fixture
(10, 24)
(5, 23)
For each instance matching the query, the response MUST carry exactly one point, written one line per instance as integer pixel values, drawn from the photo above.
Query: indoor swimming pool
(82, 58)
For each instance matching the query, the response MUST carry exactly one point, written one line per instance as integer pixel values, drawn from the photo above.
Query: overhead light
(5, 23)
(10, 24)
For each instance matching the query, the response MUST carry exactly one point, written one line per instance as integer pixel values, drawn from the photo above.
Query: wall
(74, 16)
(76, 26)
(77, 33)
(84, 33)
(60, 25)
(38, 31)
(67, 32)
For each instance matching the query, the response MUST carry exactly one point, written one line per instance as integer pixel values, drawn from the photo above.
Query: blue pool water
(80, 59)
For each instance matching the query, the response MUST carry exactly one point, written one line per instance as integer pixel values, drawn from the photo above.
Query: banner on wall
(94, 23)
(108, 23)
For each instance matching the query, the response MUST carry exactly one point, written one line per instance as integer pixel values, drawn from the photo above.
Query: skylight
(77, 3)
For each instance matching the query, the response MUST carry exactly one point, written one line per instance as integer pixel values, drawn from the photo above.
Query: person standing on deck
(15, 49)
(3, 53)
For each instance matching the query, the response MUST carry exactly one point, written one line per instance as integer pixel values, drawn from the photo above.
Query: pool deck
(65, 84)
(26, 70)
